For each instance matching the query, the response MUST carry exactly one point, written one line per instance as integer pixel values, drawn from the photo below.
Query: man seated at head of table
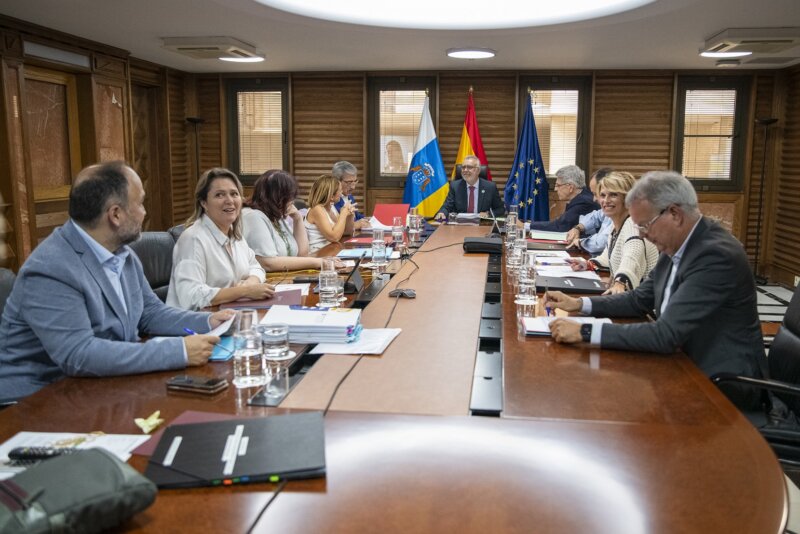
(570, 186)
(628, 256)
(473, 194)
(211, 262)
(324, 223)
(273, 227)
(591, 232)
(347, 174)
(81, 299)
(701, 291)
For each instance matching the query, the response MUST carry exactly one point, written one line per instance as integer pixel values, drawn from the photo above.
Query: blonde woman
(323, 223)
(627, 255)
(211, 263)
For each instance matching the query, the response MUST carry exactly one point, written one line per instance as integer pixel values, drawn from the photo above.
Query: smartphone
(196, 384)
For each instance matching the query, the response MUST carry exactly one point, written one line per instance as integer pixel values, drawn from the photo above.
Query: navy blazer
(488, 197)
(582, 204)
(63, 317)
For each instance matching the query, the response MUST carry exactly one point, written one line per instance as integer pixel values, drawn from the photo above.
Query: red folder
(386, 213)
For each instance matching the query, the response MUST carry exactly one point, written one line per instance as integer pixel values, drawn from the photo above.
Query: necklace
(279, 229)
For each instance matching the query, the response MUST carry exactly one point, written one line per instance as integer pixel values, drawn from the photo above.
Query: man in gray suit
(483, 193)
(81, 299)
(701, 292)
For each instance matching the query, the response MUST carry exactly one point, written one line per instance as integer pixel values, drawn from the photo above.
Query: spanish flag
(471, 144)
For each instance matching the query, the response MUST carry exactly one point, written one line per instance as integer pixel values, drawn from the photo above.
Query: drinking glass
(452, 217)
(398, 231)
(248, 363)
(275, 341)
(328, 264)
(246, 319)
(526, 279)
(278, 381)
(414, 228)
(511, 222)
(379, 258)
(328, 289)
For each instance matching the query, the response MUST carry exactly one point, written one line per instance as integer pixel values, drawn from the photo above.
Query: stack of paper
(565, 271)
(317, 325)
(468, 218)
(549, 236)
(540, 326)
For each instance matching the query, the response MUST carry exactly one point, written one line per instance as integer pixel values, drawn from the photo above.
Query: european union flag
(527, 184)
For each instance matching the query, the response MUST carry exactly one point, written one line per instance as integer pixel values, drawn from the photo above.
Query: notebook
(287, 298)
(540, 326)
(570, 285)
(386, 213)
(537, 244)
(239, 451)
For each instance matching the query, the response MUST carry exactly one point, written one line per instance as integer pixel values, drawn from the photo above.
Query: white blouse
(315, 238)
(201, 265)
(265, 238)
(631, 255)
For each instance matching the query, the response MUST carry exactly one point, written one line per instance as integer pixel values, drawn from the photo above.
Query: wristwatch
(586, 332)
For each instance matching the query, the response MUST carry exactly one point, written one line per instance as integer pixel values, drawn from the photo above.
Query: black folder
(570, 285)
(239, 451)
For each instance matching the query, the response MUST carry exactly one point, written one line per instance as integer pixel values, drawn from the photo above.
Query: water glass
(248, 362)
(398, 231)
(526, 279)
(511, 222)
(514, 259)
(246, 319)
(414, 228)
(452, 217)
(275, 341)
(328, 264)
(379, 257)
(278, 381)
(328, 289)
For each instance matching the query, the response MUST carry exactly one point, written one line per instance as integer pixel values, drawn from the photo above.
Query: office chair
(300, 204)
(7, 278)
(779, 424)
(155, 252)
(176, 231)
(483, 174)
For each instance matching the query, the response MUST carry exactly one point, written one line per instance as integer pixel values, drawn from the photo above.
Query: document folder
(238, 451)
(570, 285)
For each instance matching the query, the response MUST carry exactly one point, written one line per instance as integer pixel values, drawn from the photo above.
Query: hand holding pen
(199, 347)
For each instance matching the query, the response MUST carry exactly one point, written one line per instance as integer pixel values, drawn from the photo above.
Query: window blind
(708, 131)
(555, 113)
(400, 113)
(260, 131)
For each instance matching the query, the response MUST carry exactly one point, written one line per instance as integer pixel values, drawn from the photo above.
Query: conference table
(588, 440)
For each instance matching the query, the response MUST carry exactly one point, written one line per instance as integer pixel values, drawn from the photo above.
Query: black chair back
(300, 204)
(7, 278)
(155, 252)
(176, 231)
(483, 174)
(784, 353)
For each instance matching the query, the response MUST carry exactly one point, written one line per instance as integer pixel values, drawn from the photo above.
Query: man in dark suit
(570, 186)
(81, 300)
(472, 194)
(701, 292)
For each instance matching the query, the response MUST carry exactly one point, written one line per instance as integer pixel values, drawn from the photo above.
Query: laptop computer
(238, 451)
(386, 213)
(570, 285)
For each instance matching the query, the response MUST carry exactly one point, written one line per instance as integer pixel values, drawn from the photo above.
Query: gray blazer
(711, 314)
(63, 317)
(488, 197)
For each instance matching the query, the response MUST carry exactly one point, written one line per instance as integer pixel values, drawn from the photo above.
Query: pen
(547, 308)
(193, 333)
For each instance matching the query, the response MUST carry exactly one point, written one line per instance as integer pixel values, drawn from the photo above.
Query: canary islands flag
(527, 184)
(426, 184)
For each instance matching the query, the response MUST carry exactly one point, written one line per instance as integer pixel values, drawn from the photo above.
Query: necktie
(471, 200)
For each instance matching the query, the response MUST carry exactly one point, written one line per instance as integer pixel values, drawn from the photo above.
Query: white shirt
(265, 238)
(112, 263)
(315, 238)
(201, 265)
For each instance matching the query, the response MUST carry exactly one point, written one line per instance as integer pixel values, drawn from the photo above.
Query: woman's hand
(258, 291)
(616, 287)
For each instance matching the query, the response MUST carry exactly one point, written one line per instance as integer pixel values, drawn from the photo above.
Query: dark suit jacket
(582, 204)
(487, 196)
(64, 318)
(711, 314)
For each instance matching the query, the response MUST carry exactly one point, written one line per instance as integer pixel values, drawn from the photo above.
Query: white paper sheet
(372, 341)
(288, 287)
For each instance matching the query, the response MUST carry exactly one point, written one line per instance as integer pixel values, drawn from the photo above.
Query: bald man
(81, 299)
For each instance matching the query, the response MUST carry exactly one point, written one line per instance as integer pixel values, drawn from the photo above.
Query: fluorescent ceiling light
(243, 59)
(471, 53)
(456, 15)
(725, 54)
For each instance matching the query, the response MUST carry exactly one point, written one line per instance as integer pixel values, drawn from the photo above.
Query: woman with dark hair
(211, 263)
(273, 227)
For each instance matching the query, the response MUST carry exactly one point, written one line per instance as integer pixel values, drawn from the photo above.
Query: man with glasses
(570, 186)
(347, 174)
(473, 194)
(701, 292)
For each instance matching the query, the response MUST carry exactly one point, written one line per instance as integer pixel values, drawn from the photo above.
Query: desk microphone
(495, 232)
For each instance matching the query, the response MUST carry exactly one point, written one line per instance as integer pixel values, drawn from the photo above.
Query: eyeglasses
(557, 185)
(468, 167)
(643, 228)
(350, 182)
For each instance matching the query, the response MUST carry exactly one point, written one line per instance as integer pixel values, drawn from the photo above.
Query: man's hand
(439, 216)
(198, 348)
(219, 317)
(557, 299)
(566, 331)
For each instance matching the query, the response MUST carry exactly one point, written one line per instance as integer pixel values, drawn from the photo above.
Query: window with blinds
(257, 127)
(555, 113)
(710, 130)
(395, 109)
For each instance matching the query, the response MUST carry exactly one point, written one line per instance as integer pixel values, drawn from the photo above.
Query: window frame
(233, 87)
(742, 86)
(375, 177)
(583, 84)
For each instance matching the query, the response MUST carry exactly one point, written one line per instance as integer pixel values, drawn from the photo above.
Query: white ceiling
(664, 35)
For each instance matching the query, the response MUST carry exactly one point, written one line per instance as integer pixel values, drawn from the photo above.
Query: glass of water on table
(275, 344)
(248, 363)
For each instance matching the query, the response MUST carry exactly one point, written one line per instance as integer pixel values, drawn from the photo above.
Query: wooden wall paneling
(181, 154)
(111, 119)
(495, 97)
(209, 109)
(632, 121)
(327, 116)
(786, 231)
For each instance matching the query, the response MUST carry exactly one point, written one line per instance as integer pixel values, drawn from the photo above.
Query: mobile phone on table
(196, 384)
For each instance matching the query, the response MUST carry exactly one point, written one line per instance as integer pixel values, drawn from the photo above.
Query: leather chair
(779, 423)
(300, 204)
(483, 174)
(176, 231)
(155, 252)
(7, 278)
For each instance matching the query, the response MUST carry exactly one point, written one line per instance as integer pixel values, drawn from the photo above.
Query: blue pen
(547, 309)
(193, 333)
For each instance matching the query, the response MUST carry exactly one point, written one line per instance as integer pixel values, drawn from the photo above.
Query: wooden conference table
(589, 440)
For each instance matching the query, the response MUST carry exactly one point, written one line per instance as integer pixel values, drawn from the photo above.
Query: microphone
(495, 232)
